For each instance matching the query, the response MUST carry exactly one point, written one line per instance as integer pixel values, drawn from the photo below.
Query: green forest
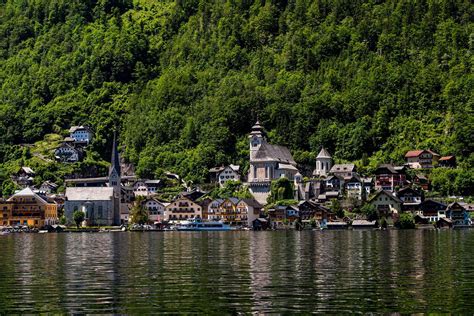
(183, 81)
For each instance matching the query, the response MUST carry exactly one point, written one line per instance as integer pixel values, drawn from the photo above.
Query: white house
(156, 210)
(387, 204)
(81, 134)
(231, 172)
(67, 153)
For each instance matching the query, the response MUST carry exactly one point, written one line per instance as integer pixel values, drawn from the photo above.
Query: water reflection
(238, 272)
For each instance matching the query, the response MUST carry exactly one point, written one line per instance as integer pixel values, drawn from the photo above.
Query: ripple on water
(238, 272)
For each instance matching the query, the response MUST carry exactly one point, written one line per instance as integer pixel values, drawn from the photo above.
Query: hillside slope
(184, 81)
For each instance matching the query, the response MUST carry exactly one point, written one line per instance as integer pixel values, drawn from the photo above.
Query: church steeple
(114, 170)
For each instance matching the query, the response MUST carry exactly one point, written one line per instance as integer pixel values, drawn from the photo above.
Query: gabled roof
(27, 170)
(49, 184)
(421, 177)
(323, 154)
(387, 193)
(28, 192)
(433, 153)
(283, 166)
(408, 189)
(454, 204)
(389, 167)
(89, 193)
(446, 158)
(216, 169)
(76, 128)
(268, 152)
(346, 167)
(252, 202)
(414, 153)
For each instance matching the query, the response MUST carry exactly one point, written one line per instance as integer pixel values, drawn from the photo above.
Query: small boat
(197, 224)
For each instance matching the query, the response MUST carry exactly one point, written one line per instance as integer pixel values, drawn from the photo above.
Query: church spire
(114, 169)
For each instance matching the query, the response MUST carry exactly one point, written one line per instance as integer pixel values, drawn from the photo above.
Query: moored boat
(197, 224)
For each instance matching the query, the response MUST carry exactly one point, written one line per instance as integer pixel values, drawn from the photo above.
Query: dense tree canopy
(185, 80)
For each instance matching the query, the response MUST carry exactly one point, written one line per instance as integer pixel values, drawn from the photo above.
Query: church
(101, 205)
(267, 163)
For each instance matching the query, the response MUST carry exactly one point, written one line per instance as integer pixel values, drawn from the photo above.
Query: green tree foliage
(281, 189)
(139, 212)
(370, 212)
(230, 189)
(336, 208)
(78, 217)
(185, 80)
(406, 221)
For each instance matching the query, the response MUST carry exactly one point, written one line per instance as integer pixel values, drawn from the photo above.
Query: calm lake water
(238, 272)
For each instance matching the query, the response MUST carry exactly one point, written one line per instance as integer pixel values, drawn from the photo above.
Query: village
(276, 195)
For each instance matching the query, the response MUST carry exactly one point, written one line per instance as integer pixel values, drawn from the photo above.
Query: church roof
(89, 193)
(323, 153)
(268, 152)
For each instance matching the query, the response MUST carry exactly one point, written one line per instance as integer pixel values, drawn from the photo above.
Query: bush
(406, 221)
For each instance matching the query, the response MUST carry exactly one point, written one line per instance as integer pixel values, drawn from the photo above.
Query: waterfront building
(387, 204)
(29, 209)
(267, 162)
(432, 210)
(458, 214)
(98, 205)
(213, 209)
(182, 208)
(248, 211)
(309, 210)
(323, 163)
(411, 199)
(156, 210)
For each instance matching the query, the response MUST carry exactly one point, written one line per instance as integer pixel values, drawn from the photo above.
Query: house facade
(156, 210)
(387, 204)
(421, 159)
(27, 208)
(67, 153)
(98, 205)
(411, 199)
(81, 134)
(182, 209)
(389, 177)
(432, 210)
(458, 214)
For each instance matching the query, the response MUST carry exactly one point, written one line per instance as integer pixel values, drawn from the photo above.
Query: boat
(197, 224)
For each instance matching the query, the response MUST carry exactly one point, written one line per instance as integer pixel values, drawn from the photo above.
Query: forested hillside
(184, 80)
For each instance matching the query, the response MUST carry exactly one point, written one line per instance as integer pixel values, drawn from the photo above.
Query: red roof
(432, 152)
(446, 158)
(413, 153)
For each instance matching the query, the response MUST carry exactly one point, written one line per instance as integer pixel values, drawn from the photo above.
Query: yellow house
(182, 209)
(28, 209)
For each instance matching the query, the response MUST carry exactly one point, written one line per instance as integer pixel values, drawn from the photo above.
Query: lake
(238, 272)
